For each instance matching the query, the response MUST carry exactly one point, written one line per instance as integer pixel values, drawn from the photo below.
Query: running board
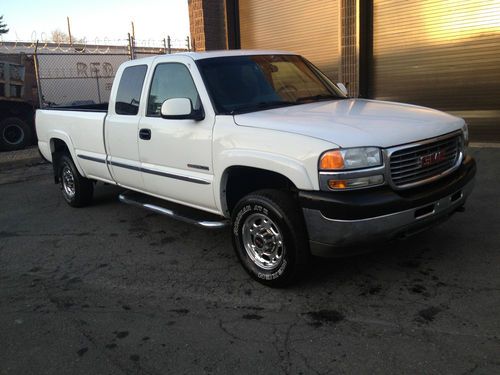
(176, 211)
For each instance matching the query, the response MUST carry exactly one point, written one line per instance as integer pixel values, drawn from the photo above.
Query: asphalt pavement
(20, 158)
(113, 289)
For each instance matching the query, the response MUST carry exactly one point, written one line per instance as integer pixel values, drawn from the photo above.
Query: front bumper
(338, 220)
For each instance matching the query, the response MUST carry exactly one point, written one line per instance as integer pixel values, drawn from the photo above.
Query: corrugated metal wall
(442, 54)
(309, 28)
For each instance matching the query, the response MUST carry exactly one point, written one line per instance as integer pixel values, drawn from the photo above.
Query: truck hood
(356, 122)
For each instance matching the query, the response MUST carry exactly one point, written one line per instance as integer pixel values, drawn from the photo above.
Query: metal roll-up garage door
(441, 54)
(309, 28)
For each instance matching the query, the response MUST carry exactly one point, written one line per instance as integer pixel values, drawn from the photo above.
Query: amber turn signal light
(337, 184)
(354, 183)
(331, 160)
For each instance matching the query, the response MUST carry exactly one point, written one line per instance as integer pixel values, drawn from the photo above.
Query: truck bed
(82, 129)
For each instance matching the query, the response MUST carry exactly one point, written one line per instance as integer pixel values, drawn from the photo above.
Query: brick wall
(196, 24)
(207, 24)
(349, 60)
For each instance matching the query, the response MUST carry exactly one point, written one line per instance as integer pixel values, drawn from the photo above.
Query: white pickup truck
(263, 142)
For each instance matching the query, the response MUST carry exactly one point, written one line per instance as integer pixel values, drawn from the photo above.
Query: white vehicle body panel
(293, 156)
(181, 148)
(83, 134)
(121, 143)
(356, 122)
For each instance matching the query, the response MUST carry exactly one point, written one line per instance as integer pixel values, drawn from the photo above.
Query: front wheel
(269, 237)
(76, 189)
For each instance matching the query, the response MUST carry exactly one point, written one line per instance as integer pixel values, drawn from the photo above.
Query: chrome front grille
(416, 164)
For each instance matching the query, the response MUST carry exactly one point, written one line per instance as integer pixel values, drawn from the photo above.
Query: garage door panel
(443, 54)
(309, 29)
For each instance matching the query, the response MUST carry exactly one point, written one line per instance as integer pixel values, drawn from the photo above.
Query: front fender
(288, 167)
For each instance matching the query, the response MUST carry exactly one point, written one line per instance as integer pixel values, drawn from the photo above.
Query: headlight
(465, 131)
(350, 158)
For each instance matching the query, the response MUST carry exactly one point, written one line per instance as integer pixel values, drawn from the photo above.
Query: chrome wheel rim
(13, 134)
(263, 241)
(68, 182)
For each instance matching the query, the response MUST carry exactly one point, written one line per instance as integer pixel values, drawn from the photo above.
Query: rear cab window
(129, 90)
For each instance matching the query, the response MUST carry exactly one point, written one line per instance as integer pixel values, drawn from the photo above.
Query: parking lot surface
(113, 289)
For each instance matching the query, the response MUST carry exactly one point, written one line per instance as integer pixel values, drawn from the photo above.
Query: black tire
(283, 217)
(76, 189)
(15, 134)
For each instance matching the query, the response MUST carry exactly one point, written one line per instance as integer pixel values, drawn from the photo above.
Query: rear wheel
(15, 134)
(76, 189)
(269, 237)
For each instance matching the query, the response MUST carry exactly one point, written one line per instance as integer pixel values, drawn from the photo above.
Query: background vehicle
(264, 142)
(17, 102)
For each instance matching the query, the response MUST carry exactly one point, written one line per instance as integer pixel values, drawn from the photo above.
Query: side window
(129, 90)
(171, 80)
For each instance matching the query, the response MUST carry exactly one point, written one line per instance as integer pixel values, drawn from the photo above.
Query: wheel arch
(239, 180)
(60, 143)
(282, 167)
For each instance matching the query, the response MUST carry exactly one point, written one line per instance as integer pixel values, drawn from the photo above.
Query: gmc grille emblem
(431, 159)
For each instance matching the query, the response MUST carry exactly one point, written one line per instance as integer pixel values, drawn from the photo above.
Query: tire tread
(284, 202)
(84, 186)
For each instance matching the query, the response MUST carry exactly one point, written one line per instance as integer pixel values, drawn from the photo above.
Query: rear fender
(57, 134)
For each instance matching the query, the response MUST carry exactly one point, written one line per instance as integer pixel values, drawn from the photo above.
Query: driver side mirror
(342, 88)
(180, 109)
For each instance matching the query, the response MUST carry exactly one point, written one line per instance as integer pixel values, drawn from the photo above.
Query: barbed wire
(83, 71)
(98, 45)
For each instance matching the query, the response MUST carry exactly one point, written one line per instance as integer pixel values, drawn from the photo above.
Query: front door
(176, 161)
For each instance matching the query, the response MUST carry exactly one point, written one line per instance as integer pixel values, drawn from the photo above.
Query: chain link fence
(82, 74)
(76, 79)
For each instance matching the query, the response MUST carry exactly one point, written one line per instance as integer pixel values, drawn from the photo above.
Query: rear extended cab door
(121, 126)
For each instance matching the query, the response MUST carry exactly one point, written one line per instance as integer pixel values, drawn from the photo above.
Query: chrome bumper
(330, 237)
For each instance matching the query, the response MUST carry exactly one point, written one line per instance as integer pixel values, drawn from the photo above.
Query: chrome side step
(176, 211)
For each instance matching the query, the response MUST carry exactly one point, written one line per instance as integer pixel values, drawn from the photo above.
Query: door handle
(145, 134)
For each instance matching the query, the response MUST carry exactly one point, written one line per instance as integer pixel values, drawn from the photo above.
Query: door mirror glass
(180, 109)
(176, 107)
(342, 88)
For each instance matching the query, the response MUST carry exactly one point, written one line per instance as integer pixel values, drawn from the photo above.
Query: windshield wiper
(317, 97)
(261, 106)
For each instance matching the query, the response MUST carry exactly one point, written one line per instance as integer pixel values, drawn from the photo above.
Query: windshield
(242, 84)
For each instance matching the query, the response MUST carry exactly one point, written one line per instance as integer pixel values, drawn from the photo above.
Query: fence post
(131, 47)
(96, 71)
(37, 75)
(169, 44)
(69, 32)
(188, 44)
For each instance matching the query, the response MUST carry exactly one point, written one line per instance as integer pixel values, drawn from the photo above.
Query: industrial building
(443, 54)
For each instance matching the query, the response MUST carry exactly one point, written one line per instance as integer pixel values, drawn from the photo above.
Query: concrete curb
(484, 145)
(21, 158)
